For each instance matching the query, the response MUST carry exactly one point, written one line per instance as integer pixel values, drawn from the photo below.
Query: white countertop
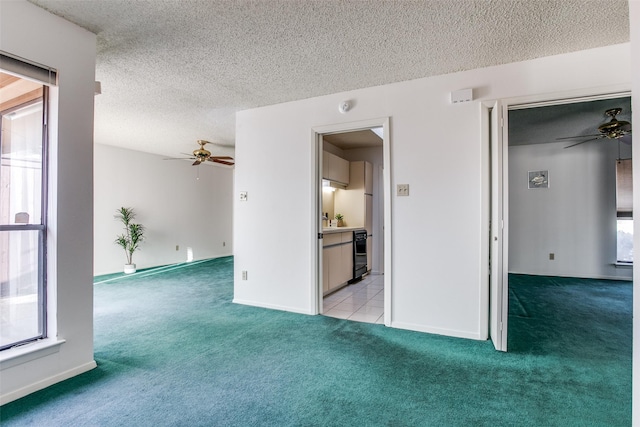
(329, 230)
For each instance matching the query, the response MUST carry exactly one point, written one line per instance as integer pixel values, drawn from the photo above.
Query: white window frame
(47, 77)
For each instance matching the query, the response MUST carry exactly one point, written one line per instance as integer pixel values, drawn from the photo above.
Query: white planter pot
(129, 268)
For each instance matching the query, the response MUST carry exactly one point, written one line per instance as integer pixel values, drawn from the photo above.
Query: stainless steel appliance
(359, 253)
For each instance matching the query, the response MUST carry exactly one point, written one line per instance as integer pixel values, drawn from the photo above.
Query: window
(625, 240)
(624, 208)
(23, 207)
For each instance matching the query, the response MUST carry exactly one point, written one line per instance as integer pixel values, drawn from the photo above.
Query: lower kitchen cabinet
(325, 271)
(337, 261)
(334, 259)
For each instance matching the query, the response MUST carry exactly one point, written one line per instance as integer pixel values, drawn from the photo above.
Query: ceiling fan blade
(224, 162)
(179, 158)
(579, 136)
(196, 163)
(220, 144)
(221, 157)
(581, 142)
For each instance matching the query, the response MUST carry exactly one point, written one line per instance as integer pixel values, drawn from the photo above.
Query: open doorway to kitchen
(352, 212)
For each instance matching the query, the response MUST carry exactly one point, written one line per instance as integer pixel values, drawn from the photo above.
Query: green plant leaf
(134, 233)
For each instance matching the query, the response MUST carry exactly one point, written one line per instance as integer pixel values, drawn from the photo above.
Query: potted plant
(339, 217)
(132, 237)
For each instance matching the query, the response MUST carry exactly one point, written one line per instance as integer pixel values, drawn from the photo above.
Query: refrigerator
(355, 202)
(368, 225)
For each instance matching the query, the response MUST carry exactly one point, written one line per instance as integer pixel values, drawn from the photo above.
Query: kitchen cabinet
(337, 260)
(335, 168)
(355, 201)
(334, 258)
(325, 271)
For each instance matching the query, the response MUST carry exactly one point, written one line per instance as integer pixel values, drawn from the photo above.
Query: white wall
(31, 33)
(634, 17)
(435, 147)
(575, 218)
(175, 207)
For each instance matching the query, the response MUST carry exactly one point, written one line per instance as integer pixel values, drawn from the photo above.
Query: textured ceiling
(174, 71)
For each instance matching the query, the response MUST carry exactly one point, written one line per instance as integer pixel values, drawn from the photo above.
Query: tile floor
(362, 301)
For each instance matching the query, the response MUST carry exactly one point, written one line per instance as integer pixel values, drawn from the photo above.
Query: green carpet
(173, 350)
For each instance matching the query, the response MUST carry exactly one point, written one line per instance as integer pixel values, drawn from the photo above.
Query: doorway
(529, 251)
(348, 203)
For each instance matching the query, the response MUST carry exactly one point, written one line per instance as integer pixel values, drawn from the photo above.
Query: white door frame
(316, 139)
(556, 98)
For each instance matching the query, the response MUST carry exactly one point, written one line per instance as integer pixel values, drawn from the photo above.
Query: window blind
(23, 68)
(624, 188)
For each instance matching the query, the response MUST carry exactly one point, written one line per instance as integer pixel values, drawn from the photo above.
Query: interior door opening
(553, 182)
(569, 193)
(351, 217)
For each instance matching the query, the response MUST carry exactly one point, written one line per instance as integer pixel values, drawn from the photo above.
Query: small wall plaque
(538, 179)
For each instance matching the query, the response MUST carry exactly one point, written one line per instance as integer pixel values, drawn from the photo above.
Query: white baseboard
(271, 306)
(577, 276)
(31, 388)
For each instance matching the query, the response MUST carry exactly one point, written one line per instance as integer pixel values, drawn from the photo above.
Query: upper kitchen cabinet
(335, 168)
(361, 177)
(355, 202)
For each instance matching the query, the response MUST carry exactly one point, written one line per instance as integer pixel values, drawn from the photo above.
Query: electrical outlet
(552, 256)
(403, 190)
(177, 247)
(243, 196)
(244, 274)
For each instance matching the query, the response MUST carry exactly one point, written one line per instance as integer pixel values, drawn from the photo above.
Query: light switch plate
(243, 196)
(403, 190)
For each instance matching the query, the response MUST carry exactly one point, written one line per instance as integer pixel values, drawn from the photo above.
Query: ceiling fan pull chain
(619, 158)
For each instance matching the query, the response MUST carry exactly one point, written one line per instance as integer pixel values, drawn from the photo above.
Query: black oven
(359, 253)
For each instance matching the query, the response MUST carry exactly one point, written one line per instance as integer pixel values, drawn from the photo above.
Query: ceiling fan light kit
(201, 154)
(614, 128)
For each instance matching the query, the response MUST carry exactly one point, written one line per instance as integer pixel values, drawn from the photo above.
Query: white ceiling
(175, 71)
